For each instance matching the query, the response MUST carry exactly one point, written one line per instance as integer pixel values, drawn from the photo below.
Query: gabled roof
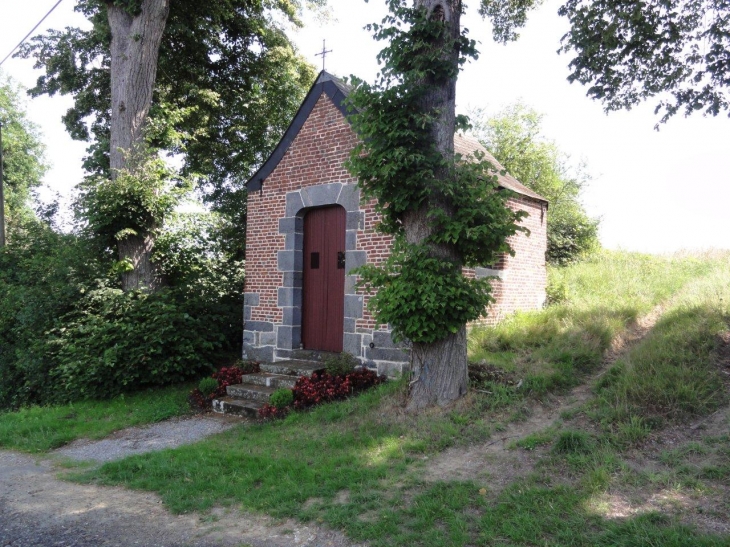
(337, 91)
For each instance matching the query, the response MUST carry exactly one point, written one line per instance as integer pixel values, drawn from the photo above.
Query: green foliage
(627, 53)
(420, 289)
(115, 341)
(423, 297)
(42, 277)
(282, 398)
(340, 364)
(134, 203)
(192, 252)
(23, 161)
(228, 78)
(66, 332)
(207, 386)
(514, 137)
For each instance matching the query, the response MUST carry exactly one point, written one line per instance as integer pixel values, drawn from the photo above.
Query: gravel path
(37, 509)
(138, 440)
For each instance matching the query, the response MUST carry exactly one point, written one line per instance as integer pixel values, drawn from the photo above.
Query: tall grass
(551, 349)
(672, 374)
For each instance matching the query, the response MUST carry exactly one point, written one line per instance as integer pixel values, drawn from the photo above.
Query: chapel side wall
(521, 279)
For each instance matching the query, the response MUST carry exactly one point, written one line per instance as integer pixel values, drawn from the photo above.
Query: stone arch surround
(269, 342)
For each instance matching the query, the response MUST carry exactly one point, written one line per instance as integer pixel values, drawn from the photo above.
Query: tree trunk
(440, 372)
(439, 368)
(135, 48)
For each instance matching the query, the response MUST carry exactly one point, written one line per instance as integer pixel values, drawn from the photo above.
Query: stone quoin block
(349, 197)
(353, 305)
(288, 337)
(292, 316)
(259, 326)
(291, 225)
(352, 344)
(289, 297)
(322, 194)
(294, 203)
(354, 259)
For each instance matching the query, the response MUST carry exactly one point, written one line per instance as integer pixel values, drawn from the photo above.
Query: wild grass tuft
(553, 349)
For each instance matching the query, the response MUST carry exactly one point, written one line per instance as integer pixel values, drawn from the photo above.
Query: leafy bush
(323, 387)
(340, 364)
(281, 398)
(208, 386)
(230, 376)
(115, 341)
(43, 276)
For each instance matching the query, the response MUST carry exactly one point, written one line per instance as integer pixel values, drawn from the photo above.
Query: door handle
(340, 260)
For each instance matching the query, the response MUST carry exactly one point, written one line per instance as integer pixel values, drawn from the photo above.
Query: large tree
(626, 52)
(212, 82)
(514, 136)
(444, 213)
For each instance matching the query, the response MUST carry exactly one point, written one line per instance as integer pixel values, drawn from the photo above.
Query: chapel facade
(308, 229)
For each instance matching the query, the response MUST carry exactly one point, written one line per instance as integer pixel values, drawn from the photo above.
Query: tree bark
(439, 368)
(135, 47)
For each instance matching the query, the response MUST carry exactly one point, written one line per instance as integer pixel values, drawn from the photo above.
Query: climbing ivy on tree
(445, 212)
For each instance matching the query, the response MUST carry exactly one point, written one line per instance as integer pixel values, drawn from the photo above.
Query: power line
(31, 32)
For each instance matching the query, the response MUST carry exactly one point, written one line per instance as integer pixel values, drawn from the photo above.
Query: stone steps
(246, 398)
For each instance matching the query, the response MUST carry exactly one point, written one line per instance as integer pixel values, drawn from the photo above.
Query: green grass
(358, 465)
(671, 375)
(39, 429)
(554, 348)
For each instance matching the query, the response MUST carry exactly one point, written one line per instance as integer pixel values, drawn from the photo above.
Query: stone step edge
(237, 407)
(269, 379)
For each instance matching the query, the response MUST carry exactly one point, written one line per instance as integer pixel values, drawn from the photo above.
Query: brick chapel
(307, 229)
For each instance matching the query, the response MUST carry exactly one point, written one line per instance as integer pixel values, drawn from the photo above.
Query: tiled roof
(467, 146)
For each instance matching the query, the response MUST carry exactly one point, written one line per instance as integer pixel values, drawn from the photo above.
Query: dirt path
(497, 466)
(39, 510)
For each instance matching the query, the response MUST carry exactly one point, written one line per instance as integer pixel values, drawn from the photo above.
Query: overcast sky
(654, 191)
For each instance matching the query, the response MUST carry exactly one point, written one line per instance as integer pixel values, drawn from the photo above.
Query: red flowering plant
(225, 376)
(323, 387)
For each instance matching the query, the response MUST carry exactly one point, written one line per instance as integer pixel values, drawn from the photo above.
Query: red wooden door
(323, 308)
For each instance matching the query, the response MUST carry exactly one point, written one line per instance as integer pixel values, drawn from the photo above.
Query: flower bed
(323, 387)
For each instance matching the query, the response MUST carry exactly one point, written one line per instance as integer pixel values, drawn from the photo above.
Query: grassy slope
(39, 429)
(357, 465)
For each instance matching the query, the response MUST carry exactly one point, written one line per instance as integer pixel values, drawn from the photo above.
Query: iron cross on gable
(324, 53)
